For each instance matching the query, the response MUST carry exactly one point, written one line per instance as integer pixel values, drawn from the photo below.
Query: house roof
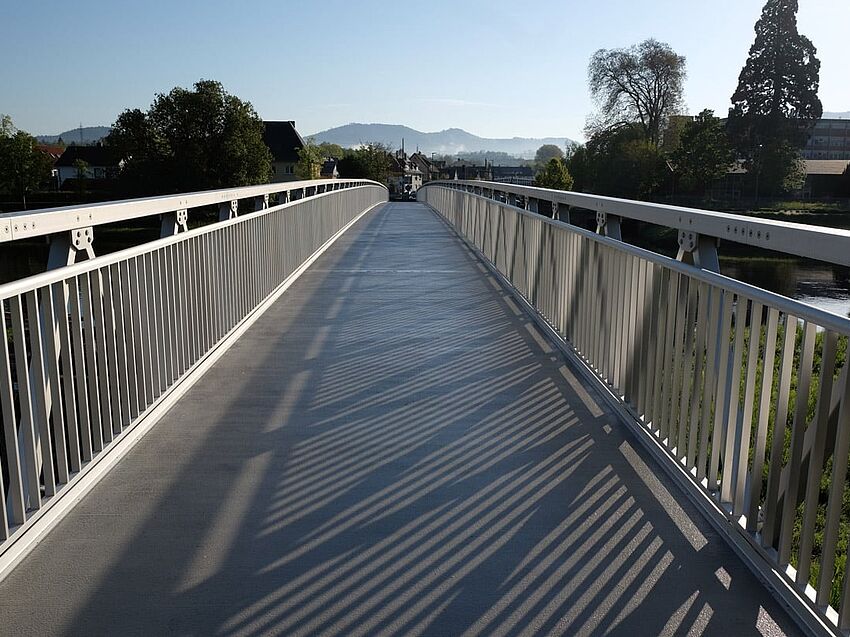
(92, 155)
(826, 166)
(423, 162)
(512, 171)
(283, 140)
(328, 167)
(811, 167)
(54, 151)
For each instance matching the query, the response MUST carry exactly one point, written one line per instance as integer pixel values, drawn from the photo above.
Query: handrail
(803, 240)
(42, 279)
(91, 349)
(744, 392)
(34, 223)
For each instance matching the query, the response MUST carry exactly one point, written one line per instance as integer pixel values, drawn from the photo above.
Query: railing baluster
(26, 429)
(15, 496)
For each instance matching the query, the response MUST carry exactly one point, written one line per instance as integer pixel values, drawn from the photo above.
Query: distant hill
(85, 135)
(446, 142)
(834, 115)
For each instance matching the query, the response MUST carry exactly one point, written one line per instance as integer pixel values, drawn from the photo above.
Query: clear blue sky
(497, 68)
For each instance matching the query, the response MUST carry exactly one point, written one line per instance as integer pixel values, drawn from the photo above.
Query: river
(821, 285)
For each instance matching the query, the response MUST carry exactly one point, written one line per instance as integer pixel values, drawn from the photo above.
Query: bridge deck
(391, 448)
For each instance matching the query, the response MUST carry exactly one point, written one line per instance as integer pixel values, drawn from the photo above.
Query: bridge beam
(561, 213)
(261, 203)
(66, 246)
(228, 210)
(698, 250)
(608, 225)
(174, 222)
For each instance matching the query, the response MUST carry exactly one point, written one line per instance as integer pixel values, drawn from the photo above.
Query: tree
(81, 173)
(370, 161)
(310, 159)
(619, 162)
(191, 140)
(547, 152)
(331, 151)
(641, 84)
(23, 167)
(776, 101)
(704, 153)
(554, 175)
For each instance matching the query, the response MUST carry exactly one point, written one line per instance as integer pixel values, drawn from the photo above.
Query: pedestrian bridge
(335, 415)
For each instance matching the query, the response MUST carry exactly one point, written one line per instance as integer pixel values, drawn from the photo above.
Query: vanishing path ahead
(391, 448)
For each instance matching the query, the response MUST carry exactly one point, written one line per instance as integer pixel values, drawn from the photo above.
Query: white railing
(698, 229)
(89, 349)
(746, 391)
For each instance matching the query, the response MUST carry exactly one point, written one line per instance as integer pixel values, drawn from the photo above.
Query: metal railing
(90, 348)
(71, 228)
(745, 390)
(698, 230)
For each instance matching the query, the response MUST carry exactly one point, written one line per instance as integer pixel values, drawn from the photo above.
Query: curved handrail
(831, 245)
(34, 223)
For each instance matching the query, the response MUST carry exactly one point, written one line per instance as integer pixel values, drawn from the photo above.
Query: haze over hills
(447, 142)
(84, 135)
(834, 115)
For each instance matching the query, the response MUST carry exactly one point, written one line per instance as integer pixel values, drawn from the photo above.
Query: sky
(496, 69)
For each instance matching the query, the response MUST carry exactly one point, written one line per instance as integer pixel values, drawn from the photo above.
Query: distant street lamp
(758, 173)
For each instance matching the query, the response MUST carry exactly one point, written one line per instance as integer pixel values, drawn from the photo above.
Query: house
(829, 139)
(464, 171)
(429, 169)
(97, 162)
(826, 178)
(405, 176)
(53, 152)
(284, 142)
(523, 175)
(329, 170)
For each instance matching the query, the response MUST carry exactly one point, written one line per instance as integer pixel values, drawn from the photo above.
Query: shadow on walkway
(391, 449)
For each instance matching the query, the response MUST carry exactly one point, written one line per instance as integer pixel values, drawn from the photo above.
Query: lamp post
(758, 173)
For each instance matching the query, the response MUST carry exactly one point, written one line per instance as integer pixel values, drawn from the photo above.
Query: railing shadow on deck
(399, 482)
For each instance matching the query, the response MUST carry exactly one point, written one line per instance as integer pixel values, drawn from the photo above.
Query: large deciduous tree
(370, 161)
(547, 152)
(191, 140)
(641, 84)
(703, 154)
(23, 167)
(776, 101)
(618, 161)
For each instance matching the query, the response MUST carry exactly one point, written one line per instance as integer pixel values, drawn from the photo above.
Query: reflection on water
(821, 285)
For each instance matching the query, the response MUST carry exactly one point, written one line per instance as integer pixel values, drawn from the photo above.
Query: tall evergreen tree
(776, 101)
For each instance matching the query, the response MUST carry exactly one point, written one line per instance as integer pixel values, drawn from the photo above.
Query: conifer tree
(776, 102)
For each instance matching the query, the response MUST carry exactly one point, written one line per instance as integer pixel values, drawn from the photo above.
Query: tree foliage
(331, 151)
(310, 159)
(776, 101)
(23, 167)
(554, 175)
(641, 84)
(369, 161)
(619, 162)
(547, 152)
(191, 140)
(704, 153)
